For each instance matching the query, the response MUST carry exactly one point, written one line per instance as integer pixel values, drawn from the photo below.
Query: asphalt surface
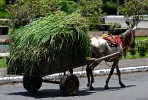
(136, 89)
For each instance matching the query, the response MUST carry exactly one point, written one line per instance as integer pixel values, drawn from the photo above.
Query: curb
(114, 16)
(11, 79)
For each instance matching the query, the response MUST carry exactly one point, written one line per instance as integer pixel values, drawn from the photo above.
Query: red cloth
(118, 39)
(107, 38)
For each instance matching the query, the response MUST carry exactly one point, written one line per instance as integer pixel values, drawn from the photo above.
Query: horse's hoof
(88, 84)
(91, 88)
(106, 87)
(92, 81)
(123, 86)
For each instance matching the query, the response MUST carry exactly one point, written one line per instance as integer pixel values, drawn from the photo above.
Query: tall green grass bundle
(49, 37)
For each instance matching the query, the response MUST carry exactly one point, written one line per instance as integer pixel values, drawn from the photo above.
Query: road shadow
(101, 89)
(43, 93)
(52, 93)
(113, 88)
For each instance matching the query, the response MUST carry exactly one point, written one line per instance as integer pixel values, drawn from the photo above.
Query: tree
(2, 3)
(68, 6)
(134, 9)
(91, 9)
(111, 7)
(22, 12)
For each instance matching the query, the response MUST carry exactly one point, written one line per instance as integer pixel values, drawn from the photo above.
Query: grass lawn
(129, 56)
(139, 38)
(3, 62)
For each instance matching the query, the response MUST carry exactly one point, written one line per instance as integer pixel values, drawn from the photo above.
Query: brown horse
(100, 48)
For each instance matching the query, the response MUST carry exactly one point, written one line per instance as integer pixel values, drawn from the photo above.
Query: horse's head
(129, 39)
(132, 43)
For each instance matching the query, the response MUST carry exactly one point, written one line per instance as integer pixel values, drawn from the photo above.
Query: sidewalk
(126, 66)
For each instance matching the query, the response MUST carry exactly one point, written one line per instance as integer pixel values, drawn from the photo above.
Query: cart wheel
(69, 84)
(32, 84)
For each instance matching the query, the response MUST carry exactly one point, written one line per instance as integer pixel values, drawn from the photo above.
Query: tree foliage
(91, 9)
(68, 6)
(22, 12)
(134, 9)
(110, 7)
(2, 3)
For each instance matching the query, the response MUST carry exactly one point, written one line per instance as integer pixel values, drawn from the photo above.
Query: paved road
(136, 89)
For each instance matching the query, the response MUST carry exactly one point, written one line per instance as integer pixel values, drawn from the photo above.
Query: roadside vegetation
(3, 62)
(140, 50)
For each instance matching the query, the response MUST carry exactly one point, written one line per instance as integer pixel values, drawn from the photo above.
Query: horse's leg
(111, 72)
(89, 71)
(119, 76)
(90, 77)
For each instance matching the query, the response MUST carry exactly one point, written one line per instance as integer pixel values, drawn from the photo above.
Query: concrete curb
(13, 79)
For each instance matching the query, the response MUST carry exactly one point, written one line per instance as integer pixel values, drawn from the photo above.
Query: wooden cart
(33, 76)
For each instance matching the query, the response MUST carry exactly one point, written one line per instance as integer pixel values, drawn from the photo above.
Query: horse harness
(115, 44)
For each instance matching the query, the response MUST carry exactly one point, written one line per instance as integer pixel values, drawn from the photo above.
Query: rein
(126, 36)
(122, 40)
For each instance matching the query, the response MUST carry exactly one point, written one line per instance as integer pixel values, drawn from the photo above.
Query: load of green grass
(49, 37)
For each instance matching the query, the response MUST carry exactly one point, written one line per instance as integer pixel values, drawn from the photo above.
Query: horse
(101, 47)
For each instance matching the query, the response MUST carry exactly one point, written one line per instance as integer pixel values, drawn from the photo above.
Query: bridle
(128, 40)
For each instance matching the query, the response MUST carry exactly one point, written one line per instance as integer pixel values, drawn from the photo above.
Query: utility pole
(117, 7)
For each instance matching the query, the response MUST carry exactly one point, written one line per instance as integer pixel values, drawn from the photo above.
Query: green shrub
(142, 47)
(146, 43)
(3, 62)
(133, 52)
(114, 26)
